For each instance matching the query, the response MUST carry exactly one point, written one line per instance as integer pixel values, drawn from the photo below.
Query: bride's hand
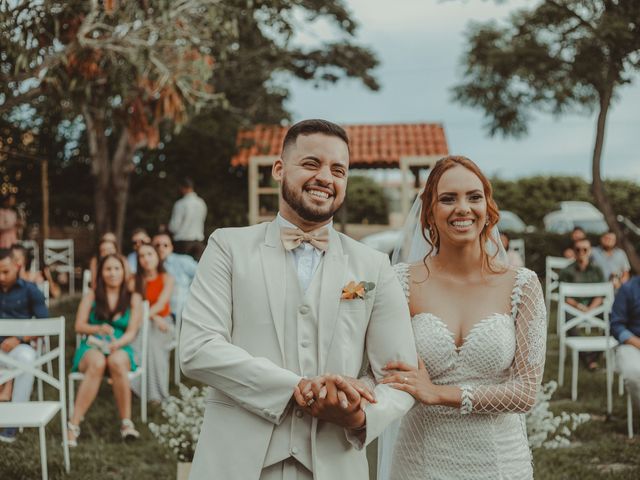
(415, 381)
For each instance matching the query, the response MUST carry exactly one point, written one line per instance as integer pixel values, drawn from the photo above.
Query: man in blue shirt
(625, 327)
(18, 299)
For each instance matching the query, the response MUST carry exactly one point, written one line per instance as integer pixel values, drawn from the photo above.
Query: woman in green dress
(110, 315)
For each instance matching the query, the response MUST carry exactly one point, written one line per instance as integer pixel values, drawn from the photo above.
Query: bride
(480, 330)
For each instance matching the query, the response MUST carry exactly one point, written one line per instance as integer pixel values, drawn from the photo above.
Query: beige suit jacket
(232, 340)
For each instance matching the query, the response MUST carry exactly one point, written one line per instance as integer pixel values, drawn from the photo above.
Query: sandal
(75, 431)
(128, 430)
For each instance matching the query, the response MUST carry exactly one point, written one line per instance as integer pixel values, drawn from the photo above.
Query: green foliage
(559, 56)
(366, 201)
(532, 198)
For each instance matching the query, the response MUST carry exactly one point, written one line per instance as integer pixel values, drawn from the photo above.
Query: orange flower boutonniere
(353, 290)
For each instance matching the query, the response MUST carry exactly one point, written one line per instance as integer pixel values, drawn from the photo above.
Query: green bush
(532, 198)
(366, 201)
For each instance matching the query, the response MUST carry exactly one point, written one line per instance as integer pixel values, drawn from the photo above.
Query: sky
(420, 44)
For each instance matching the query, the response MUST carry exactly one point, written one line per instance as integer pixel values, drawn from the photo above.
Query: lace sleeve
(518, 393)
(402, 272)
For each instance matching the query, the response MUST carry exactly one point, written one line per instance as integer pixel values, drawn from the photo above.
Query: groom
(272, 308)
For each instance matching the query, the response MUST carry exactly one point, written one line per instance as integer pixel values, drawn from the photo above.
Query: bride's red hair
(429, 197)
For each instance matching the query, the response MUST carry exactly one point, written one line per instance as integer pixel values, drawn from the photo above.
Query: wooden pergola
(408, 147)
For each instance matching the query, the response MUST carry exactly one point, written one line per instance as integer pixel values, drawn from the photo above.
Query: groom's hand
(333, 399)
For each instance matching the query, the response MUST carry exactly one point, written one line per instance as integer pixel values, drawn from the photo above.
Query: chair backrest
(44, 288)
(35, 327)
(553, 265)
(58, 253)
(86, 281)
(34, 251)
(517, 245)
(570, 317)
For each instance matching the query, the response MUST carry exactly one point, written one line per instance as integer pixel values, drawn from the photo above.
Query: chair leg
(65, 441)
(47, 348)
(629, 416)
(143, 397)
(43, 453)
(176, 365)
(561, 360)
(574, 375)
(609, 373)
(72, 394)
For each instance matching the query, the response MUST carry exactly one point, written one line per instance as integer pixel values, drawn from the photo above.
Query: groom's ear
(276, 169)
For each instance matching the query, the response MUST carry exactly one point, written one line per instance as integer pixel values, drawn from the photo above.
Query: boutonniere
(353, 290)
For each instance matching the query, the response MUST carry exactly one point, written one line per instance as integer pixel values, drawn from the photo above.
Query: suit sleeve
(389, 337)
(206, 351)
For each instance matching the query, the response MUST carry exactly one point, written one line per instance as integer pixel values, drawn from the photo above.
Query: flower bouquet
(184, 415)
(547, 430)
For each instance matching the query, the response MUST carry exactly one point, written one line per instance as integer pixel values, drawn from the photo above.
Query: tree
(561, 56)
(132, 70)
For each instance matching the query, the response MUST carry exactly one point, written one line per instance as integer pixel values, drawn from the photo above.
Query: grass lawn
(600, 448)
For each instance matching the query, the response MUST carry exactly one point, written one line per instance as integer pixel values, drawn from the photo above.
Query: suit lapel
(274, 269)
(335, 267)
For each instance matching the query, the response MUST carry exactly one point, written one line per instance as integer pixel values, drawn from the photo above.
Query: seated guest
(181, 267)
(156, 286)
(513, 257)
(576, 234)
(625, 327)
(110, 317)
(18, 299)
(23, 258)
(583, 270)
(612, 260)
(106, 247)
(138, 237)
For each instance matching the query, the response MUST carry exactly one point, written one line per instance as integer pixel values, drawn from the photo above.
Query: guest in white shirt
(187, 221)
(612, 260)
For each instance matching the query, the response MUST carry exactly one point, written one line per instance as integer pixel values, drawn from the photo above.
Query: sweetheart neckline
(465, 339)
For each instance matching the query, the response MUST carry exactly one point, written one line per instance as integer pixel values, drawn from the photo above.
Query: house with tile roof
(403, 146)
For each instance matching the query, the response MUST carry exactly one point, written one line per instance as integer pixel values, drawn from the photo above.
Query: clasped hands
(334, 398)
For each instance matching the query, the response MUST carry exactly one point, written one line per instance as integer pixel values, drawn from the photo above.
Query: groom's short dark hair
(311, 126)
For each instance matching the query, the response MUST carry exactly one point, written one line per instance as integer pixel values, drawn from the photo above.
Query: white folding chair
(595, 318)
(58, 256)
(141, 371)
(86, 281)
(34, 252)
(43, 344)
(36, 414)
(517, 245)
(553, 265)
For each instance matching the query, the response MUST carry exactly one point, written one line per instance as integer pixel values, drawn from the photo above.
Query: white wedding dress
(499, 367)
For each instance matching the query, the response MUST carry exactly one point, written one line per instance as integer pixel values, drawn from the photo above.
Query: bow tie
(293, 237)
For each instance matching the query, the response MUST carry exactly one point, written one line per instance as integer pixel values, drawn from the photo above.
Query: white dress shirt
(188, 217)
(306, 257)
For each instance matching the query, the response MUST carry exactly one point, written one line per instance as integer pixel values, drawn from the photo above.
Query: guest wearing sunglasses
(138, 237)
(181, 267)
(583, 270)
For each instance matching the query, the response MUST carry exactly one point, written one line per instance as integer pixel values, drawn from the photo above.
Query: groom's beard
(311, 213)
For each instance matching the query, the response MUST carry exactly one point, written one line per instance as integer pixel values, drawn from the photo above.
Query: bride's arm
(518, 393)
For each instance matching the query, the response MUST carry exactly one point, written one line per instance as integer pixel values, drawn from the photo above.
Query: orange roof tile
(374, 146)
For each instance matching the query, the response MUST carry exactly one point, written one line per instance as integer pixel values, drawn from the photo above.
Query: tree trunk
(597, 186)
(99, 152)
(121, 168)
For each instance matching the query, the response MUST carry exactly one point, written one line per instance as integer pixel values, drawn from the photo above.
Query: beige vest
(292, 438)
